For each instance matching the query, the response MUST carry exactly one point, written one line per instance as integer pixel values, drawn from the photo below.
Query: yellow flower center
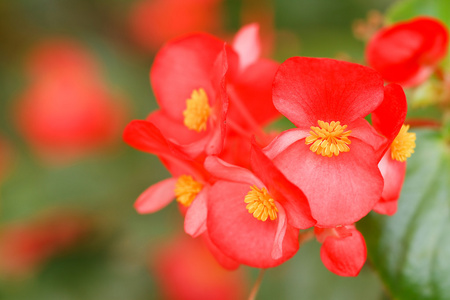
(186, 189)
(329, 138)
(197, 110)
(403, 145)
(260, 204)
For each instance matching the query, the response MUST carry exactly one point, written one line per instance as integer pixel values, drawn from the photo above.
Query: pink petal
(226, 171)
(306, 90)
(156, 197)
(340, 189)
(344, 256)
(246, 43)
(195, 219)
(241, 236)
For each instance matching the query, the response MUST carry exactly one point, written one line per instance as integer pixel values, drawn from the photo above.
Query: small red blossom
(408, 52)
(333, 154)
(66, 112)
(343, 249)
(185, 269)
(254, 218)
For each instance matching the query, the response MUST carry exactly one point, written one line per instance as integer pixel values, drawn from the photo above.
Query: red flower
(154, 22)
(184, 269)
(66, 112)
(408, 52)
(194, 78)
(333, 155)
(343, 249)
(253, 218)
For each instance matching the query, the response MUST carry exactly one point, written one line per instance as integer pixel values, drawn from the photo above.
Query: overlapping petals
(408, 52)
(238, 233)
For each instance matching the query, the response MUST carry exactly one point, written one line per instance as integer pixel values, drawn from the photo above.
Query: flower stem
(257, 285)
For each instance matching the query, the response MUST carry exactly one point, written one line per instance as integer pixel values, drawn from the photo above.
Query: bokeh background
(73, 73)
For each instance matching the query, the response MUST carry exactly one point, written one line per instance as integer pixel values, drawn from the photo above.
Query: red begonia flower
(184, 269)
(208, 75)
(408, 52)
(335, 164)
(254, 218)
(66, 112)
(150, 26)
(63, 119)
(343, 249)
(189, 184)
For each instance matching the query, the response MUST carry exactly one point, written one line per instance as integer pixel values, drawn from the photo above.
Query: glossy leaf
(410, 250)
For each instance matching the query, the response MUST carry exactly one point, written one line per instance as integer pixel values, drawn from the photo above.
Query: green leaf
(411, 249)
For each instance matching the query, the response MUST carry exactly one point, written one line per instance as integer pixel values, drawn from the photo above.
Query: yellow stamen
(329, 139)
(403, 145)
(197, 110)
(186, 189)
(261, 204)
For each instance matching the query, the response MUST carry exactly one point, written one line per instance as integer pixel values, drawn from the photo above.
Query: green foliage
(410, 250)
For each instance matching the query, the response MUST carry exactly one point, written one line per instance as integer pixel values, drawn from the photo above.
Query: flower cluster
(248, 193)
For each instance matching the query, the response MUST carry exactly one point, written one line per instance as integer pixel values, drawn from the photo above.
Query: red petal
(195, 219)
(389, 117)
(221, 258)
(340, 189)
(362, 130)
(180, 67)
(145, 136)
(156, 197)
(284, 140)
(306, 90)
(393, 173)
(251, 103)
(246, 44)
(407, 52)
(226, 171)
(290, 196)
(344, 256)
(241, 236)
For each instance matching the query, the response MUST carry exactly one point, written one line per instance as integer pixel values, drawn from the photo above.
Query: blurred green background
(111, 258)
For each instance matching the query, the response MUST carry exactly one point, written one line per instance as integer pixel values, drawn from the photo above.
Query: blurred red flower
(186, 270)
(66, 112)
(153, 22)
(336, 163)
(24, 247)
(408, 52)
